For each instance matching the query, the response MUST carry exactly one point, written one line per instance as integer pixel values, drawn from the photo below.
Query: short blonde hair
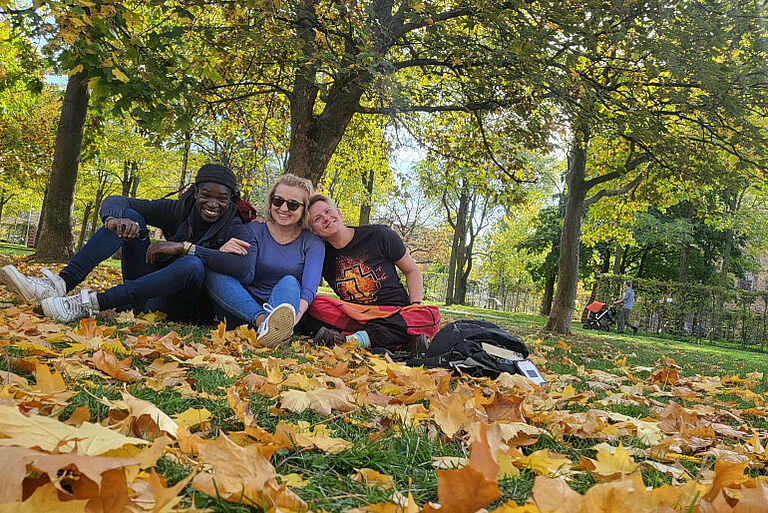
(292, 181)
(321, 197)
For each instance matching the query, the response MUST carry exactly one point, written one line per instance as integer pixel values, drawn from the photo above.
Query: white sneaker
(33, 289)
(278, 325)
(71, 308)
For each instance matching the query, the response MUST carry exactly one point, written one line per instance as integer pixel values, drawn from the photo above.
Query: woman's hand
(236, 246)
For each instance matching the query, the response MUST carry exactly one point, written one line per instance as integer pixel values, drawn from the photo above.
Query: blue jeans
(232, 300)
(174, 288)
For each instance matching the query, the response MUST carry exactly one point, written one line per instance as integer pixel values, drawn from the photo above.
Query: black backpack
(474, 347)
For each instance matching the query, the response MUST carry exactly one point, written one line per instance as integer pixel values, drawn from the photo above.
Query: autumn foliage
(102, 454)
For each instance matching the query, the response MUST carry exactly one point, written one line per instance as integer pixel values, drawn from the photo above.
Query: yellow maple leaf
(372, 477)
(294, 480)
(610, 465)
(320, 400)
(546, 463)
(193, 417)
(50, 434)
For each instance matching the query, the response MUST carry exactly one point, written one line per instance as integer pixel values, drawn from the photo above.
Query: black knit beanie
(217, 173)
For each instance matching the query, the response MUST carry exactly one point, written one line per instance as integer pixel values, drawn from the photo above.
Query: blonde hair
(292, 181)
(321, 197)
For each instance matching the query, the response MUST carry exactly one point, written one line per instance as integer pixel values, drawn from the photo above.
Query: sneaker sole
(280, 328)
(16, 281)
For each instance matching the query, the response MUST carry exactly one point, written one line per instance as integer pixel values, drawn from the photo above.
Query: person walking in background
(285, 264)
(165, 276)
(375, 310)
(627, 301)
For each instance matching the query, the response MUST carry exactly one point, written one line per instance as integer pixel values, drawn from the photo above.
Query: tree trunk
(546, 299)
(4, 200)
(726, 257)
(42, 214)
(184, 161)
(365, 208)
(96, 221)
(687, 214)
(314, 137)
(456, 262)
(135, 183)
(55, 237)
(683, 276)
(641, 266)
(728, 246)
(617, 258)
(84, 225)
(568, 265)
(460, 296)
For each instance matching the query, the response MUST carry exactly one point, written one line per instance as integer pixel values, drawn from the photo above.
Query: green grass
(6, 248)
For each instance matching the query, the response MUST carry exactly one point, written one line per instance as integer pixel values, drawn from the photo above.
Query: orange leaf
(106, 361)
(472, 487)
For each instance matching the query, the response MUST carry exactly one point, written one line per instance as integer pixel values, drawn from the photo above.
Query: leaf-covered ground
(137, 414)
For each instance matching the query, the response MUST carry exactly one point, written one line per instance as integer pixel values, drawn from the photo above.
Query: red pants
(387, 326)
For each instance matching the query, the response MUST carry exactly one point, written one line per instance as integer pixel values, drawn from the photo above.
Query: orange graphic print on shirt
(357, 282)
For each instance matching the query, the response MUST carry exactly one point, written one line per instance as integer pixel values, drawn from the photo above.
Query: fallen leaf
(50, 435)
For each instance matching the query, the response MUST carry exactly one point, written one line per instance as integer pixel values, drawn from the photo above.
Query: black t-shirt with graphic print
(364, 270)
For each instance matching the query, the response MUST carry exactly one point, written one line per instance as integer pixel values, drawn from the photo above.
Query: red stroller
(600, 317)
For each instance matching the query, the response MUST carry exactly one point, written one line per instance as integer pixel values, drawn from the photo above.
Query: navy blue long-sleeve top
(271, 261)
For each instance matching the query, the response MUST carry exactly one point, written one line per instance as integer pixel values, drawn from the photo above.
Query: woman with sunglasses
(286, 265)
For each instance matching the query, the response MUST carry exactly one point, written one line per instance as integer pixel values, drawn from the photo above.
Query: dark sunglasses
(292, 205)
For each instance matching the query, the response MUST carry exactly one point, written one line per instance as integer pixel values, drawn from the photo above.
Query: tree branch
(613, 192)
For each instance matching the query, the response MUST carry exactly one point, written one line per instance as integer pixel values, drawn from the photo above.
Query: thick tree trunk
(568, 265)
(55, 237)
(549, 291)
(365, 208)
(314, 137)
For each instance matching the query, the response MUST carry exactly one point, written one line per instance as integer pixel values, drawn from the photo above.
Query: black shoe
(328, 337)
(417, 345)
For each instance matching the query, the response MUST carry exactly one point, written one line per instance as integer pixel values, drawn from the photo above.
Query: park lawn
(343, 429)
